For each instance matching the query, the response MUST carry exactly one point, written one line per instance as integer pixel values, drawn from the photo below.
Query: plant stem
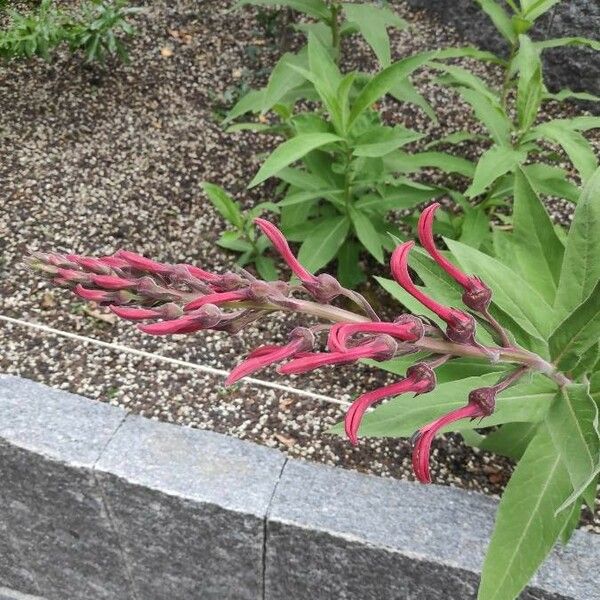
(335, 31)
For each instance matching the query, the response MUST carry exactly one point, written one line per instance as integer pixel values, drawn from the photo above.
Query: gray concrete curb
(97, 505)
(575, 67)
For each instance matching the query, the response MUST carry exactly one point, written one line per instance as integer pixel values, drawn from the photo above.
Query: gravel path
(91, 161)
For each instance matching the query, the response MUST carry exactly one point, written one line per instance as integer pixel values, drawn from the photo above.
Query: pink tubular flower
(137, 261)
(461, 326)
(424, 437)
(382, 347)
(302, 340)
(89, 263)
(420, 379)
(281, 245)
(134, 314)
(112, 282)
(477, 295)
(93, 295)
(216, 299)
(205, 318)
(406, 328)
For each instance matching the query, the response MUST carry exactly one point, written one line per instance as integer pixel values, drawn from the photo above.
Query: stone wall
(98, 505)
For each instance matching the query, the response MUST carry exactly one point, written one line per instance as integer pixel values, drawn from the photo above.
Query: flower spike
(477, 295)
(461, 326)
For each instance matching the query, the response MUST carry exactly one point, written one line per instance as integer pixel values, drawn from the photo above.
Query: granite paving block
(333, 533)
(190, 506)
(8, 594)
(54, 510)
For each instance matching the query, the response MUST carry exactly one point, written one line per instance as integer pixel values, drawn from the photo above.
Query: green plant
(520, 363)
(515, 136)
(342, 170)
(94, 30)
(34, 34)
(242, 236)
(96, 33)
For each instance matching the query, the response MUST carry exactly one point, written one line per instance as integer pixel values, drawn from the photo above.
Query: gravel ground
(94, 160)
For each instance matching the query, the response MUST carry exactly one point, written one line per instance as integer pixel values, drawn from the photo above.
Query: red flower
(461, 326)
(424, 437)
(134, 314)
(216, 299)
(407, 329)
(477, 295)
(382, 347)
(93, 295)
(420, 379)
(206, 317)
(302, 340)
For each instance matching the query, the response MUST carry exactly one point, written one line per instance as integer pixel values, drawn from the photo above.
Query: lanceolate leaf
(489, 114)
(577, 333)
(500, 19)
(526, 527)
(367, 234)
(403, 415)
(577, 148)
(538, 251)
(573, 424)
(290, 152)
(385, 80)
(581, 267)
(494, 163)
(323, 242)
(372, 22)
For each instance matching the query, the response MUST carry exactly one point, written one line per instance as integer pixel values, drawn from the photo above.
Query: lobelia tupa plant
(520, 362)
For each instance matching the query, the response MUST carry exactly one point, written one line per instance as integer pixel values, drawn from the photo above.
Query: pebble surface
(94, 160)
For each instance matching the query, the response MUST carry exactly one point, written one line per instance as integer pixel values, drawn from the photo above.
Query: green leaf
(568, 41)
(500, 19)
(380, 141)
(577, 333)
(511, 293)
(403, 162)
(372, 22)
(581, 267)
(551, 181)
(530, 85)
(526, 527)
(491, 115)
(537, 250)
(494, 163)
(510, 440)
(308, 196)
(266, 268)
(572, 421)
(323, 242)
(576, 147)
(291, 151)
(283, 78)
(224, 203)
(402, 416)
(367, 234)
(348, 271)
(405, 91)
(386, 80)
(568, 94)
(464, 77)
(251, 102)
